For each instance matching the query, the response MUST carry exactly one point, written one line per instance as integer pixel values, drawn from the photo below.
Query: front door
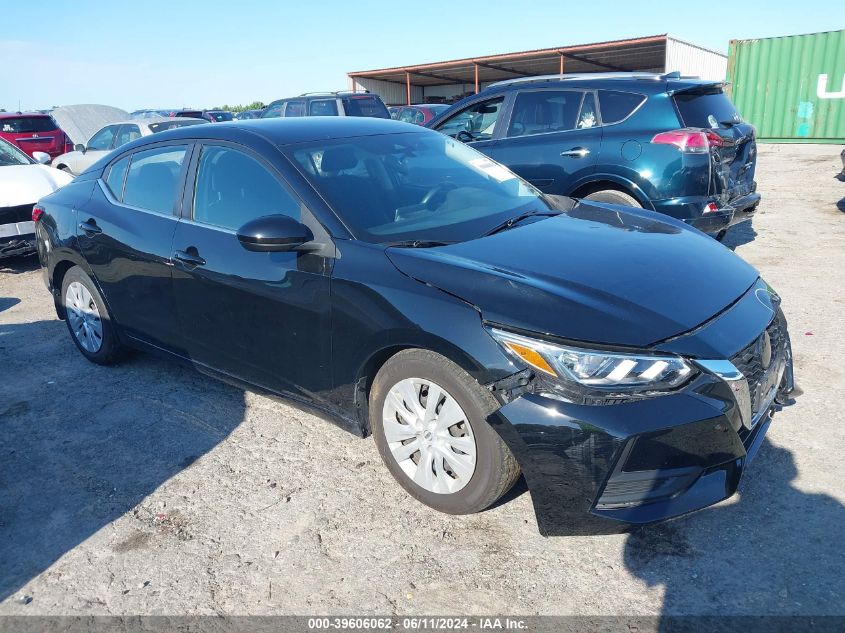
(552, 138)
(125, 233)
(261, 317)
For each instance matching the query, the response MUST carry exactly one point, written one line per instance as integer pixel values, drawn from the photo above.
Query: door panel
(261, 317)
(552, 139)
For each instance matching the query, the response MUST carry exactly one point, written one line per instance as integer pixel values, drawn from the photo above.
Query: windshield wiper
(519, 218)
(416, 244)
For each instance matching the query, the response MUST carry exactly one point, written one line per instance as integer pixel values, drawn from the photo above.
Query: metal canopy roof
(642, 53)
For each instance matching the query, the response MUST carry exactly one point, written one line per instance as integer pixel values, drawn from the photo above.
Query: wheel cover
(429, 435)
(84, 317)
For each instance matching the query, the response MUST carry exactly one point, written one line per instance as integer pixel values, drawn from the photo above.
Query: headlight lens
(587, 374)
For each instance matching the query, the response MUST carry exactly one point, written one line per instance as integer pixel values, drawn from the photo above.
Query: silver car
(113, 136)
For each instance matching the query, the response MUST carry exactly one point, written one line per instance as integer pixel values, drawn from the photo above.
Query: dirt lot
(148, 488)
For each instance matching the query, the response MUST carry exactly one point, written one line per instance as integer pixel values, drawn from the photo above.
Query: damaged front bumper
(598, 469)
(17, 238)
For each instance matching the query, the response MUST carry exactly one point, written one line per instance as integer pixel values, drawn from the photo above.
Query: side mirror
(273, 233)
(41, 157)
(79, 148)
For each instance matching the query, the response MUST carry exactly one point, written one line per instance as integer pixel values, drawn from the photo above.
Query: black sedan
(408, 287)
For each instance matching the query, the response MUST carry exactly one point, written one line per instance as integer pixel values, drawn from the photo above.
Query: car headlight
(595, 376)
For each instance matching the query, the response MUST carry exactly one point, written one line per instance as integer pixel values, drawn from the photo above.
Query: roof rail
(581, 76)
(331, 93)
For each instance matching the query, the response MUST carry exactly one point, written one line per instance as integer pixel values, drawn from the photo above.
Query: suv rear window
(707, 107)
(616, 106)
(365, 106)
(27, 124)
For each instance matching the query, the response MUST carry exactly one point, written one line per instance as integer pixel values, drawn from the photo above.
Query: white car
(113, 136)
(23, 181)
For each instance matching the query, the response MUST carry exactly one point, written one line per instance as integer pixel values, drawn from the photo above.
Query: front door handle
(90, 228)
(576, 152)
(191, 259)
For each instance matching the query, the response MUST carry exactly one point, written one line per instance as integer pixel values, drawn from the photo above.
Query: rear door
(261, 317)
(734, 162)
(125, 233)
(552, 139)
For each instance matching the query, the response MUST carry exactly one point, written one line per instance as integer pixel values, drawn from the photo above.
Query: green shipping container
(792, 89)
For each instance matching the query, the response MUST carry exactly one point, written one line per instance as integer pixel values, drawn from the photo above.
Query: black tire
(612, 196)
(720, 236)
(111, 350)
(496, 469)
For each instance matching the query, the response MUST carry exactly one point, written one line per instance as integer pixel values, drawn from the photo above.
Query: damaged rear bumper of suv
(599, 469)
(694, 211)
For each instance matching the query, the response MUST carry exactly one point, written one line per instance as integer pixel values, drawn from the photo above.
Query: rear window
(616, 106)
(365, 106)
(27, 124)
(221, 116)
(707, 107)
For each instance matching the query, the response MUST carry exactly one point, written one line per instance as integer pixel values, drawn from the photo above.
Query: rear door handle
(90, 228)
(189, 258)
(577, 152)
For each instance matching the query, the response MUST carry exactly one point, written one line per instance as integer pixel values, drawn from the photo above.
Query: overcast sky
(201, 54)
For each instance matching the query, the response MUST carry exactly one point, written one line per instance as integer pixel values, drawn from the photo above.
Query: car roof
(281, 131)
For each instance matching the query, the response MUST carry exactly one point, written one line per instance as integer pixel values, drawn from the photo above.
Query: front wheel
(428, 417)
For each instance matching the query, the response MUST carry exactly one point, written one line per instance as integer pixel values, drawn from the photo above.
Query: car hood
(26, 184)
(598, 273)
(80, 122)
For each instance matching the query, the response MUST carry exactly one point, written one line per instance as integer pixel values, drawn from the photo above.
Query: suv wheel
(428, 417)
(612, 196)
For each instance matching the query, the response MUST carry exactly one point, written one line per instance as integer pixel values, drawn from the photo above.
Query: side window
(323, 107)
(587, 118)
(273, 110)
(419, 117)
(616, 106)
(102, 140)
(153, 179)
(544, 111)
(117, 173)
(479, 120)
(394, 112)
(295, 108)
(127, 133)
(407, 115)
(233, 188)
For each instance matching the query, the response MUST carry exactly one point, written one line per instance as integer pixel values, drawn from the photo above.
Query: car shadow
(841, 205)
(740, 235)
(8, 302)
(81, 445)
(777, 551)
(18, 264)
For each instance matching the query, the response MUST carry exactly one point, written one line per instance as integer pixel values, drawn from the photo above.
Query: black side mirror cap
(274, 233)
(79, 148)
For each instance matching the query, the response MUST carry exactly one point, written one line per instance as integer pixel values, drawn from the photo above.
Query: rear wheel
(612, 196)
(88, 320)
(428, 418)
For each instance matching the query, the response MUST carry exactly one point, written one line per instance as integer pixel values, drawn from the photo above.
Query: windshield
(11, 155)
(221, 116)
(414, 186)
(169, 125)
(27, 124)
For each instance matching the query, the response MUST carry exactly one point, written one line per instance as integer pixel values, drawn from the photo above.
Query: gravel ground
(150, 489)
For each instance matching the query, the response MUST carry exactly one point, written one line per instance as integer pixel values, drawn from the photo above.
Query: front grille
(19, 213)
(749, 359)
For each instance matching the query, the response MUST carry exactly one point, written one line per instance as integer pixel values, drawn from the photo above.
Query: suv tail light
(37, 212)
(689, 141)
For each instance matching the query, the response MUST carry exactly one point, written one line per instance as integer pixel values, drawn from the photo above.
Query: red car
(34, 132)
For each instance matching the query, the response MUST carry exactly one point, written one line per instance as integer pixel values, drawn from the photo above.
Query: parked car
(113, 136)
(406, 286)
(34, 132)
(842, 156)
(23, 181)
(153, 114)
(344, 103)
(214, 116)
(663, 142)
(249, 114)
(419, 114)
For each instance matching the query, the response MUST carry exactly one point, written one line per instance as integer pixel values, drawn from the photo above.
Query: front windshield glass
(11, 155)
(414, 186)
